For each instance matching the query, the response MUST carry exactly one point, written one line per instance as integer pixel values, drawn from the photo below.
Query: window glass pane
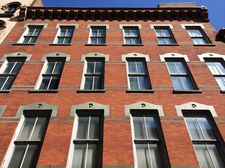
(88, 82)
(162, 33)
(60, 40)
(199, 41)
(45, 82)
(69, 31)
(30, 31)
(39, 129)
(180, 68)
(58, 68)
(220, 67)
(30, 156)
(8, 83)
(156, 160)
(131, 32)
(9, 67)
(143, 156)
(205, 128)
(134, 40)
(213, 68)
(140, 67)
(194, 33)
(17, 67)
(177, 83)
(98, 82)
(54, 82)
(17, 156)
(165, 41)
(2, 81)
(139, 128)
(133, 83)
(90, 66)
(28, 40)
(94, 128)
(94, 40)
(194, 128)
(143, 82)
(82, 130)
(92, 156)
(186, 83)
(215, 156)
(172, 68)
(79, 156)
(203, 156)
(25, 133)
(50, 67)
(221, 82)
(132, 67)
(98, 67)
(151, 128)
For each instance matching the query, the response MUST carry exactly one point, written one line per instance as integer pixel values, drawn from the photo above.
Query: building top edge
(190, 13)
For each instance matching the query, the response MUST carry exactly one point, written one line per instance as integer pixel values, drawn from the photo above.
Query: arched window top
(173, 55)
(12, 7)
(135, 55)
(210, 56)
(2, 24)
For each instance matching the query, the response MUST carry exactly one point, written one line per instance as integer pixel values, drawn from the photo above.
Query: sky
(216, 7)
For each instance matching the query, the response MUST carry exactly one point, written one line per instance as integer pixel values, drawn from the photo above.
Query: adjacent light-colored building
(9, 11)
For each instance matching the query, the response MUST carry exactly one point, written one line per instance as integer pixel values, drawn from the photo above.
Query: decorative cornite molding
(194, 14)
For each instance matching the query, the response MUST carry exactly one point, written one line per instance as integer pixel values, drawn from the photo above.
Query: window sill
(43, 91)
(56, 44)
(186, 91)
(91, 91)
(140, 91)
(5, 91)
(204, 45)
(168, 44)
(132, 44)
(95, 44)
(24, 44)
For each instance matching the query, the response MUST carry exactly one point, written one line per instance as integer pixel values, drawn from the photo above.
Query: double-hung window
(217, 69)
(9, 71)
(205, 141)
(31, 34)
(52, 71)
(94, 74)
(180, 75)
(164, 35)
(198, 35)
(87, 143)
(97, 35)
(148, 143)
(138, 78)
(27, 145)
(64, 35)
(132, 35)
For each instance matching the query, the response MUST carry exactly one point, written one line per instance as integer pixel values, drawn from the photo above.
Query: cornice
(194, 14)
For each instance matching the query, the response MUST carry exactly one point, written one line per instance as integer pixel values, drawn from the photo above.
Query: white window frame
(44, 68)
(90, 34)
(75, 26)
(138, 26)
(85, 70)
(26, 26)
(11, 147)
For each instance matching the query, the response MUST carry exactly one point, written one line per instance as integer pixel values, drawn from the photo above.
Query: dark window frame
(171, 36)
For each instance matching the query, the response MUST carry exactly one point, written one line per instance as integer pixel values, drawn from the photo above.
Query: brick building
(112, 88)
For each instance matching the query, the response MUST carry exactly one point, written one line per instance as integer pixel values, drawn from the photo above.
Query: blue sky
(216, 7)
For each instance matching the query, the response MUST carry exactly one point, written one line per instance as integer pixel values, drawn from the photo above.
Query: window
(64, 35)
(2, 24)
(205, 141)
(180, 75)
(94, 74)
(216, 66)
(88, 140)
(12, 7)
(29, 140)
(164, 35)
(147, 140)
(51, 73)
(9, 70)
(198, 35)
(97, 35)
(138, 78)
(131, 35)
(31, 34)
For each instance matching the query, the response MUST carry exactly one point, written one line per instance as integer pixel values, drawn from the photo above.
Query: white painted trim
(130, 25)
(135, 55)
(193, 106)
(56, 55)
(95, 55)
(210, 56)
(199, 25)
(96, 25)
(173, 55)
(152, 26)
(11, 147)
(17, 55)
